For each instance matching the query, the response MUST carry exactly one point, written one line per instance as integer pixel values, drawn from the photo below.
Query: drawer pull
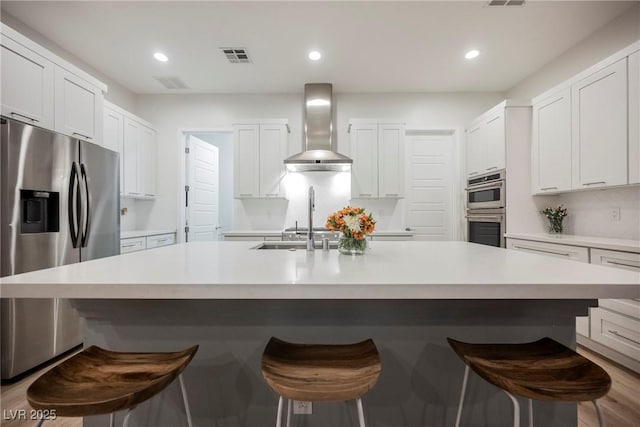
(26, 117)
(541, 250)
(130, 245)
(79, 134)
(616, 333)
(365, 194)
(623, 264)
(549, 188)
(492, 168)
(594, 183)
(245, 194)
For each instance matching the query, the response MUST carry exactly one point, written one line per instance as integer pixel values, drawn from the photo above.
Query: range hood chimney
(319, 135)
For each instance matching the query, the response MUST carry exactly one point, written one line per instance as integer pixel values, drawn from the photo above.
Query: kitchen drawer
(576, 253)
(160, 240)
(617, 259)
(132, 244)
(616, 331)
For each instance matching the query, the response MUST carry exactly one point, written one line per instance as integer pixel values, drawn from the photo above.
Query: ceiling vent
(171, 82)
(506, 3)
(236, 55)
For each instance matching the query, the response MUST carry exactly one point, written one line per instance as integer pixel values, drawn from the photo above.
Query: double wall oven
(486, 218)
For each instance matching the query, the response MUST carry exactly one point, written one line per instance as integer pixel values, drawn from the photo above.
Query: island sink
(293, 245)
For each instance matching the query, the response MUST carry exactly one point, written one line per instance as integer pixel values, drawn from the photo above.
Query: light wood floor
(621, 406)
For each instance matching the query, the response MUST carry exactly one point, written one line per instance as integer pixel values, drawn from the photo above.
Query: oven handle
(484, 216)
(485, 186)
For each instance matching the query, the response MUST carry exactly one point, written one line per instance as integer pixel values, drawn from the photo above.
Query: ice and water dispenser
(40, 211)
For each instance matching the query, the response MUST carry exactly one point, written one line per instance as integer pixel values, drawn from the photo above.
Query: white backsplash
(332, 192)
(589, 212)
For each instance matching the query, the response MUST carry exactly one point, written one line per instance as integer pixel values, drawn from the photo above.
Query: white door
(429, 193)
(203, 200)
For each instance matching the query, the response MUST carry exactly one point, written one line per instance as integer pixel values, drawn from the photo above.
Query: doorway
(431, 176)
(207, 195)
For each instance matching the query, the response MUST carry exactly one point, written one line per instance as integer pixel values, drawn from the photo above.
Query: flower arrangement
(354, 224)
(555, 216)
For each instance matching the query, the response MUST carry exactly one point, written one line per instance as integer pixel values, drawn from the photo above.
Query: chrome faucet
(311, 244)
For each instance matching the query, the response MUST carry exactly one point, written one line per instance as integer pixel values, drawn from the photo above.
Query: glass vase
(351, 246)
(555, 226)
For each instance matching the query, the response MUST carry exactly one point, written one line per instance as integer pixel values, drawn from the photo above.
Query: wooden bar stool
(97, 381)
(320, 372)
(542, 370)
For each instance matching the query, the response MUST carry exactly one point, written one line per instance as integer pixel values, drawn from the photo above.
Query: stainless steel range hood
(319, 135)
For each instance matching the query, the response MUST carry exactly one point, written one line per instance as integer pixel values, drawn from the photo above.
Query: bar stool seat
(320, 372)
(542, 370)
(97, 381)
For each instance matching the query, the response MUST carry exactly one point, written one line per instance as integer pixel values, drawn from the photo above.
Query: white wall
(588, 210)
(116, 93)
(171, 114)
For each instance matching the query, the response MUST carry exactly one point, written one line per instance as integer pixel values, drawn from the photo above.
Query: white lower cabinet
(616, 322)
(161, 240)
(140, 243)
(575, 253)
(132, 244)
(612, 328)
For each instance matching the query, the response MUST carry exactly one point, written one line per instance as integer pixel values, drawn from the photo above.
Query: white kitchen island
(407, 296)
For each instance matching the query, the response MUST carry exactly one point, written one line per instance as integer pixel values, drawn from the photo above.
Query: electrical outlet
(302, 407)
(614, 214)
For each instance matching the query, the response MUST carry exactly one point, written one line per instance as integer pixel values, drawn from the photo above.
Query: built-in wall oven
(486, 216)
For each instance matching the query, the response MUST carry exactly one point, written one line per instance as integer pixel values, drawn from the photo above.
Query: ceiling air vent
(171, 82)
(506, 3)
(236, 55)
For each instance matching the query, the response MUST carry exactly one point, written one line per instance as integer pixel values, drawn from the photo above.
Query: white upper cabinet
(132, 136)
(634, 117)
(599, 147)
(27, 85)
(391, 160)
(551, 145)
(78, 107)
(113, 136)
(42, 89)
(486, 142)
(137, 148)
(364, 152)
(147, 161)
(377, 150)
(259, 153)
(273, 151)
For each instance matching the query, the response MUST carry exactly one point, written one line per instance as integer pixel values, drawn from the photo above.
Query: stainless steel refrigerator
(59, 205)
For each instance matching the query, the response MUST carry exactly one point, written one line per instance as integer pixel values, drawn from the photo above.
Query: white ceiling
(367, 46)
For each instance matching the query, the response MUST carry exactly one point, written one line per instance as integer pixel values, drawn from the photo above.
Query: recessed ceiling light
(314, 55)
(161, 57)
(471, 54)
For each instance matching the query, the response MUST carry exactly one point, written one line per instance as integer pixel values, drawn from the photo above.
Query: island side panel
(421, 376)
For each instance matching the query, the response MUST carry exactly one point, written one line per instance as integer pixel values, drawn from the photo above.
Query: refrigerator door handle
(87, 212)
(72, 205)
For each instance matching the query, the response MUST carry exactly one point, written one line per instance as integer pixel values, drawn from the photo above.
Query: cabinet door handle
(541, 250)
(79, 134)
(618, 334)
(594, 183)
(622, 264)
(549, 188)
(26, 117)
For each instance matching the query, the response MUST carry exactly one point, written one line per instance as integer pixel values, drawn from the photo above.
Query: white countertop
(584, 241)
(143, 233)
(389, 270)
(253, 233)
(278, 233)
